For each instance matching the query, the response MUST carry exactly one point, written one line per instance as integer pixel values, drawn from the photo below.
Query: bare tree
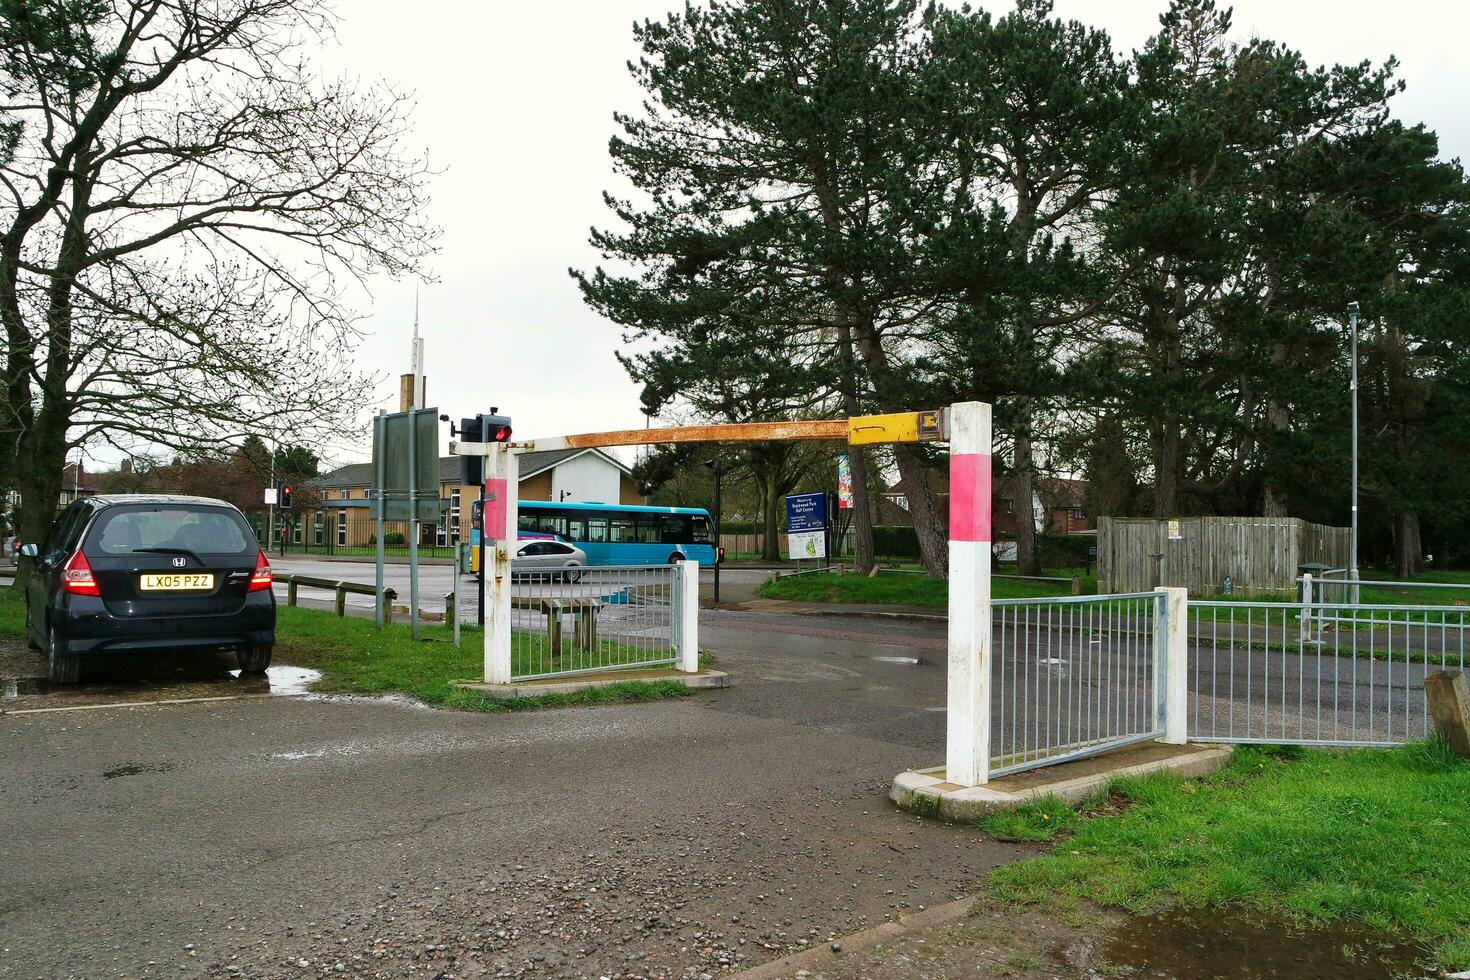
(188, 209)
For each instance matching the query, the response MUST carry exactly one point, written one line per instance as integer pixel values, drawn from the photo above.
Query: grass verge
(354, 658)
(895, 589)
(12, 611)
(1378, 836)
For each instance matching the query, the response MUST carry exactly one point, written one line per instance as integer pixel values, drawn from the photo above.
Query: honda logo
(180, 562)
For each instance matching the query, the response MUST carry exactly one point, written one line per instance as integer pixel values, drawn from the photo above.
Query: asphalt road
(243, 837)
(240, 838)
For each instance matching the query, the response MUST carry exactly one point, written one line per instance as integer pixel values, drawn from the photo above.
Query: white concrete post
(1171, 666)
(500, 524)
(686, 616)
(967, 738)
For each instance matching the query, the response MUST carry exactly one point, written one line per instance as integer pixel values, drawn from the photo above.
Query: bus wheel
(675, 558)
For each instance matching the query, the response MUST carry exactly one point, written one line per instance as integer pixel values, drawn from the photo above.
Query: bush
(389, 537)
(896, 542)
(1065, 550)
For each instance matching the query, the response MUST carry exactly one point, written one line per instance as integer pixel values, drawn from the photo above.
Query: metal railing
(566, 622)
(1317, 673)
(294, 583)
(1346, 590)
(1072, 677)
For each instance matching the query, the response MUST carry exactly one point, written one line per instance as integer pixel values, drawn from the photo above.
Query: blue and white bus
(622, 534)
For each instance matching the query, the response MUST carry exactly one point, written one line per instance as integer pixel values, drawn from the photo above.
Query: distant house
(571, 475)
(1064, 502)
(76, 483)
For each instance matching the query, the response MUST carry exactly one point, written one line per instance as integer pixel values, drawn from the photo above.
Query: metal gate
(1073, 677)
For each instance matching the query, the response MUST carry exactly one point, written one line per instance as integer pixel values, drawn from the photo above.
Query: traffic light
(284, 497)
(471, 468)
(481, 428)
(497, 427)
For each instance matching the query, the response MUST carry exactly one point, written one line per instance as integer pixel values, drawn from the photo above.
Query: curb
(704, 680)
(926, 793)
(819, 956)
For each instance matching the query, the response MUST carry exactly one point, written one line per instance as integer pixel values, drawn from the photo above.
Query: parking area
(662, 839)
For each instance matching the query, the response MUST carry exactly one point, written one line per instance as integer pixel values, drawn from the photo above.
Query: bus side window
(675, 529)
(577, 528)
(701, 532)
(622, 529)
(648, 530)
(597, 528)
(526, 522)
(553, 524)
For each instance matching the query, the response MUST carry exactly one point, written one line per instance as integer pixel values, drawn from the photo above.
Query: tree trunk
(1274, 502)
(930, 527)
(861, 500)
(862, 511)
(1408, 551)
(1023, 496)
(771, 546)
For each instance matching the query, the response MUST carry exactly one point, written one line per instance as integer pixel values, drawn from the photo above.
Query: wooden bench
(584, 619)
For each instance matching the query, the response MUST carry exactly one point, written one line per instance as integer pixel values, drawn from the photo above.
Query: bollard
(389, 596)
(1449, 705)
(291, 592)
(341, 606)
(1076, 585)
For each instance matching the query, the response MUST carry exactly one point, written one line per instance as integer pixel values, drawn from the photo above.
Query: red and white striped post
(967, 741)
(499, 522)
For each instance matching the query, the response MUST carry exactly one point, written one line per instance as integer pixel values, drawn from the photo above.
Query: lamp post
(1353, 540)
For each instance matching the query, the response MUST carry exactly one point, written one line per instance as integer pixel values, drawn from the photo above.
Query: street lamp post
(1353, 541)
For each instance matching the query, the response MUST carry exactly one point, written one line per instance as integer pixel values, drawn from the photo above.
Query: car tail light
(260, 578)
(76, 577)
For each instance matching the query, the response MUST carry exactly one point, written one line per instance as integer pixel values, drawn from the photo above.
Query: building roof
(361, 474)
(70, 478)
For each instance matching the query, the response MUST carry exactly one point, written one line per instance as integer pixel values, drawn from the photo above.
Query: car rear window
(202, 530)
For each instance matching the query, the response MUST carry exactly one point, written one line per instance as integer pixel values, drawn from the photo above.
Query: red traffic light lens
(501, 433)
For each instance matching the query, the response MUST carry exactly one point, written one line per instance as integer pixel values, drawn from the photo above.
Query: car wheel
(573, 573)
(255, 658)
(62, 668)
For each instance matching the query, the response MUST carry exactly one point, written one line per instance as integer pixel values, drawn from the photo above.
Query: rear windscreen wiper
(171, 551)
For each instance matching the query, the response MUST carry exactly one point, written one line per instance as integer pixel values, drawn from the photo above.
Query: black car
(147, 572)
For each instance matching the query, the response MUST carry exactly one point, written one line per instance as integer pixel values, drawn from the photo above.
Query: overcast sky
(515, 103)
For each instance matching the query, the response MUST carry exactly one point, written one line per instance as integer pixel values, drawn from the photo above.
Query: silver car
(548, 560)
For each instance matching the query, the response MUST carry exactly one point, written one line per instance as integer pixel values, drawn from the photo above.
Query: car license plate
(175, 582)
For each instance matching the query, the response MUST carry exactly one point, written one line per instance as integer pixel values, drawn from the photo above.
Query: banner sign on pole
(806, 525)
(270, 495)
(844, 483)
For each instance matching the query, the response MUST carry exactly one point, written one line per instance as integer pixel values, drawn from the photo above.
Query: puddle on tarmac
(150, 678)
(1209, 945)
(907, 661)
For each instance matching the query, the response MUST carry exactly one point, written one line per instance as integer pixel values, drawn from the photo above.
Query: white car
(543, 560)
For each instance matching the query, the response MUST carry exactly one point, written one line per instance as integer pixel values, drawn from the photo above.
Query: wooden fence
(1259, 555)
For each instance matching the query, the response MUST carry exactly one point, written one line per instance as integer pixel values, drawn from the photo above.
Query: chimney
(405, 392)
(126, 466)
